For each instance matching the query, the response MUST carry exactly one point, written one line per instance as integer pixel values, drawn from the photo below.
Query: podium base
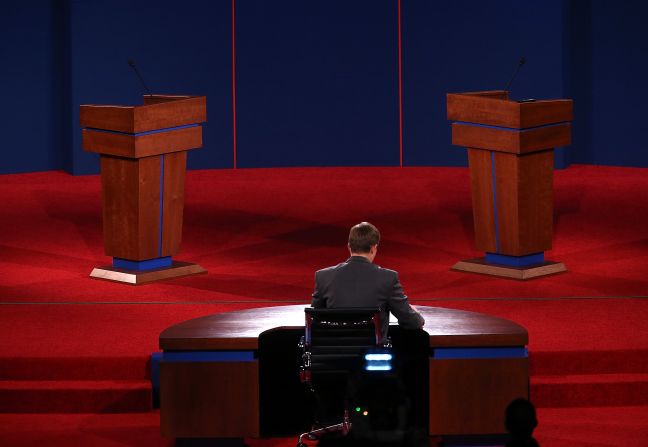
(480, 266)
(138, 277)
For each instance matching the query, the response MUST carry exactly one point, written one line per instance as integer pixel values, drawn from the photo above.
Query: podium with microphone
(510, 154)
(143, 160)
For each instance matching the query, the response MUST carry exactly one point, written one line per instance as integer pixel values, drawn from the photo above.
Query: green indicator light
(358, 409)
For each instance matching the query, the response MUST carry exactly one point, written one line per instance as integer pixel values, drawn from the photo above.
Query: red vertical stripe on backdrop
(400, 86)
(234, 80)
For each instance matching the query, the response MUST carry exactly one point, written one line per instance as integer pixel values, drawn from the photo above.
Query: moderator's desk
(209, 384)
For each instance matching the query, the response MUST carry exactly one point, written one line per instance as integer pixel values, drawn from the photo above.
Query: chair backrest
(336, 340)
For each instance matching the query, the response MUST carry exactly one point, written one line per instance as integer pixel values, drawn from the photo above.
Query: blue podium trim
(494, 188)
(515, 261)
(161, 204)
(510, 129)
(208, 356)
(515, 352)
(147, 264)
(140, 134)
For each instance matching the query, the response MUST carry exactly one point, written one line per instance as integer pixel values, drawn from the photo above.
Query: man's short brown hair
(362, 237)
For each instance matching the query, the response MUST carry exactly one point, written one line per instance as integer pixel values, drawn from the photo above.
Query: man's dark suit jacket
(360, 283)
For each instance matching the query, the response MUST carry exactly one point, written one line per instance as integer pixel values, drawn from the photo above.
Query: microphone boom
(131, 64)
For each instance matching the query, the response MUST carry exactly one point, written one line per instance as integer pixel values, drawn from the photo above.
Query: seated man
(358, 282)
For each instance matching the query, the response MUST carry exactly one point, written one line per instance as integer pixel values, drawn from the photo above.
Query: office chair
(333, 348)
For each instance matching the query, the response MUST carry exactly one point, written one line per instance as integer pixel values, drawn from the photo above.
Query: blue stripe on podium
(147, 264)
(515, 261)
(140, 134)
(494, 188)
(510, 129)
(161, 204)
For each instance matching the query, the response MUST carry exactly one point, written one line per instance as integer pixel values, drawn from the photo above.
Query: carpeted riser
(63, 400)
(70, 400)
(75, 368)
(581, 373)
(558, 427)
(589, 394)
(588, 362)
(138, 368)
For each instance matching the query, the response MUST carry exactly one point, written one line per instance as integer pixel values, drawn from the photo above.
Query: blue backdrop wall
(317, 83)
(470, 46)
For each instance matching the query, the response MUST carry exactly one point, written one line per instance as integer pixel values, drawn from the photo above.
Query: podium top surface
(157, 112)
(494, 108)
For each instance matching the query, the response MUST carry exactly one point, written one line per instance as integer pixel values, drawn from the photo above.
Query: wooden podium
(510, 153)
(143, 160)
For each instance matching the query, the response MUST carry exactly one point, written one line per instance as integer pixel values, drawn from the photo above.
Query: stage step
(588, 362)
(75, 368)
(591, 390)
(75, 396)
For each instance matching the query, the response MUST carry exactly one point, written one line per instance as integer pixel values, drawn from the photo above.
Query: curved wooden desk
(210, 372)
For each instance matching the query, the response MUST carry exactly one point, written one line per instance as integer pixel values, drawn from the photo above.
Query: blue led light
(377, 357)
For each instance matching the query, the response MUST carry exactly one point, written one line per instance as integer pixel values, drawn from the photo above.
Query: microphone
(521, 62)
(131, 64)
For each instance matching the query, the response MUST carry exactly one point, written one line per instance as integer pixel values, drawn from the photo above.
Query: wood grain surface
(131, 146)
(492, 109)
(482, 109)
(158, 112)
(166, 114)
(221, 399)
(177, 269)
(173, 203)
(131, 202)
(209, 399)
(481, 182)
(241, 329)
(117, 118)
(469, 396)
(516, 142)
(524, 187)
(480, 266)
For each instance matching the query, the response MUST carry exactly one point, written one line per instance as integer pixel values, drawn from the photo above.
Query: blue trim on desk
(156, 357)
(515, 352)
(140, 134)
(209, 356)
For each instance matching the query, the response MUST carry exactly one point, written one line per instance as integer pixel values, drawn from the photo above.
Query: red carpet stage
(261, 233)
(74, 356)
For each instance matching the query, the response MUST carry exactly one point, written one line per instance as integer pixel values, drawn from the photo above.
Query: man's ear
(373, 252)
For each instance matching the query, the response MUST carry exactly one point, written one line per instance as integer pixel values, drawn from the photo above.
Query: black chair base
(342, 427)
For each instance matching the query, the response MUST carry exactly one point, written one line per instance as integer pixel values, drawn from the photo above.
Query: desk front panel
(469, 396)
(222, 398)
(209, 399)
